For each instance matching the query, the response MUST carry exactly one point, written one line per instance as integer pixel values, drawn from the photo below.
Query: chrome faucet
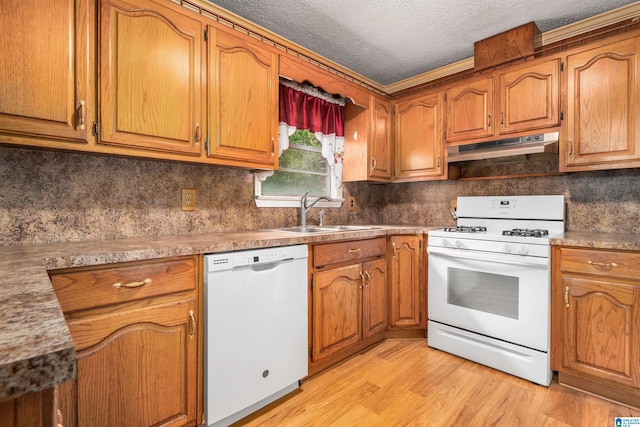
(304, 208)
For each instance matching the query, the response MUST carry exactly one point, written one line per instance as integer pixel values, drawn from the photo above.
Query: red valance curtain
(305, 107)
(304, 111)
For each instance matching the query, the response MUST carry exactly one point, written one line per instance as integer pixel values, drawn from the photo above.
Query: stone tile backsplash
(48, 196)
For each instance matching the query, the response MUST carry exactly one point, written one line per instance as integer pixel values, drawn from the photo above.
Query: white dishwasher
(255, 329)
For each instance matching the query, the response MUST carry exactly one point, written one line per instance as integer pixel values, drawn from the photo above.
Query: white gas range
(489, 283)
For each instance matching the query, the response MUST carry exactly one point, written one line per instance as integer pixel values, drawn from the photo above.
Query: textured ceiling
(391, 40)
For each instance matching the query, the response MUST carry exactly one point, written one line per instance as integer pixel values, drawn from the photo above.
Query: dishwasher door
(255, 328)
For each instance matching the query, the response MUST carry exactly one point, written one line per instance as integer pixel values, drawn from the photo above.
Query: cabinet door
(405, 290)
(602, 112)
(470, 110)
(243, 101)
(135, 367)
(374, 303)
(419, 139)
(45, 51)
(529, 97)
(601, 330)
(380, 142)
(150, 77)
(337, 310)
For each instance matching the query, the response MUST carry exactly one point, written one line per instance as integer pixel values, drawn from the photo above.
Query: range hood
(541, 143)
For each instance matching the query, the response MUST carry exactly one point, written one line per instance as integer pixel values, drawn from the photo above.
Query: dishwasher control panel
(231, 260)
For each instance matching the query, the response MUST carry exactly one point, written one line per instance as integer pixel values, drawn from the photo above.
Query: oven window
(487, 292)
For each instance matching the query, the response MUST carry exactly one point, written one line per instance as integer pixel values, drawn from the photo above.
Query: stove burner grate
(466, 229)
(525, 232)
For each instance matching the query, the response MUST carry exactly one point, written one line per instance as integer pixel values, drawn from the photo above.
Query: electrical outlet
(188, 199)
(351, 203)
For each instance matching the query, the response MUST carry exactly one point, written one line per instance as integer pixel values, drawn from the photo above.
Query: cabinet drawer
(625, 265)
(333, 253)
(104, 285)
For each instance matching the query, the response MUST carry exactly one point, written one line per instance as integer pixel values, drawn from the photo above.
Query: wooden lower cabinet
(406, 285)
(596, 322)
(348, 300)
(137, 356)
(38, 409)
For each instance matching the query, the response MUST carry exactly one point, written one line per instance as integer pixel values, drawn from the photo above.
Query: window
(311, 141)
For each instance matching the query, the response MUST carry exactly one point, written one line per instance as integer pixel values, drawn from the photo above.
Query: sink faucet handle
(320, 217)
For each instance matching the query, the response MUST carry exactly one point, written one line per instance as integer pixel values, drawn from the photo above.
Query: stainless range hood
(541, 143)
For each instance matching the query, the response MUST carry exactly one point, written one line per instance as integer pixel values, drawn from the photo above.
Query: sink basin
(324, 228)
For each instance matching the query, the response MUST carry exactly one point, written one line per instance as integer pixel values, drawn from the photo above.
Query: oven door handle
(490, 257)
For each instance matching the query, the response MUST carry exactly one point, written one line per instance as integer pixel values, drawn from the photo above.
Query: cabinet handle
(394, 249)
(502, 118)
(362, 280)
(566, 296)
(273, 146)
(192, 328)
(198, 134)
(570, 148)
(354, 251)
(368, 278)
(489, 121)
(602, 264)
(439, 161)
(373, 163)
(82, 114)
(132, 284)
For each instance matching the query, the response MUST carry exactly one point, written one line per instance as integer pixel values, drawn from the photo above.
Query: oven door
(501, 296)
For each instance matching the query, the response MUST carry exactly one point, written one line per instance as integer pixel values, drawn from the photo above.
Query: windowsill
(293, 202)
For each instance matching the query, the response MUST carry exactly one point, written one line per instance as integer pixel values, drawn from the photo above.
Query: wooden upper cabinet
(470, 110)
(602, 113)
(381, 135)
(419, 142)
(150, 77)
(529, 97)
(367, 145)
(45, 62)
(243, 101)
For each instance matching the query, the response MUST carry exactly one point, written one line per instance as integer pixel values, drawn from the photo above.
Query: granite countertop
(36, 349)
(617, 241)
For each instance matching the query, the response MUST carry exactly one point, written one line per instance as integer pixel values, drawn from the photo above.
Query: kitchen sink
(324, 228)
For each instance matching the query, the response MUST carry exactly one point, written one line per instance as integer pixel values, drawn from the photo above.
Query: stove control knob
(523, 250)
(446, 243)
(458, 243)
(506, 248)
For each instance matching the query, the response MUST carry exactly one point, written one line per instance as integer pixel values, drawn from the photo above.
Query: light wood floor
(406, 383)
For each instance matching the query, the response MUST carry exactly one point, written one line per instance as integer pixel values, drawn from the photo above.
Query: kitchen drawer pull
(198, 134)
(192, 324)
(132, 284)
(566, 296)
(354, 251)
(82, 114)
(602, 264)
